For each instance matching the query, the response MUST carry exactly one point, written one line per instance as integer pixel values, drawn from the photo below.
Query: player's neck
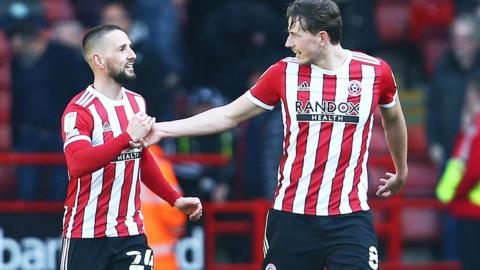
(108, 87)
(332, 57)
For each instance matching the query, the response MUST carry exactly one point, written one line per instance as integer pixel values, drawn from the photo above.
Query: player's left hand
(190, 206)
(390, 185)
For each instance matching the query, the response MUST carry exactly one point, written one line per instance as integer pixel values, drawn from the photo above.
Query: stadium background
(198, 54)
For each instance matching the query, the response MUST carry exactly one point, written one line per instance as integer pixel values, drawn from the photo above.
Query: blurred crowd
(195, 55)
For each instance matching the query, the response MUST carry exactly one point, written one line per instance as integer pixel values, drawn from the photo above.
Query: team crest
(271, 266)
(354, 88)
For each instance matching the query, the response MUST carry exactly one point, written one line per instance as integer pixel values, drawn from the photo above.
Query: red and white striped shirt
(328, 118)
(103, 198)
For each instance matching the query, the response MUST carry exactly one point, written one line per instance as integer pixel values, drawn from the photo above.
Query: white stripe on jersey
(291, 81)
(96, 183)
(363, 185)
(74, 212)
(89, 97)
(82, 98)
(368, 78)
(335, 146)
(116, 193)
(365, 58)
(141, 104)
(316, 95)
(129, 222)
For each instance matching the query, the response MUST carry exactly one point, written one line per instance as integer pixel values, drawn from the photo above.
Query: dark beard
(121, 77)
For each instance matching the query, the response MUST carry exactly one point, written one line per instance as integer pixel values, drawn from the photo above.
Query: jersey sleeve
(77, 124)
(388, 89)
(153, 178)
(266, 92)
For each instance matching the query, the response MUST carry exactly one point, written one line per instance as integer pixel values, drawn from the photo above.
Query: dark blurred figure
(445, 97)
(445, 102)
(210, 183)
(460, 183)
(163, 19)
(69, 33)
(44, 78)
(151, 81)
(238, 36)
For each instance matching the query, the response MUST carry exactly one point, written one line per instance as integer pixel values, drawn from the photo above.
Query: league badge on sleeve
(69, 122)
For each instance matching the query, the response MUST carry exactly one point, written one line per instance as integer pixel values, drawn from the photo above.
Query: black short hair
(317, 15)
(94, 34)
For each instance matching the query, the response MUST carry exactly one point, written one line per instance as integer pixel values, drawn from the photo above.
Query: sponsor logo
(271, 266)
(354, 88)
(131, 154)
(327, 111)
(106, 126)
(28, 252)
(303, 87)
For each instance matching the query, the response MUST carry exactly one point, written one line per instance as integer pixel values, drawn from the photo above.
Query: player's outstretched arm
(212, 121)
(396, 135)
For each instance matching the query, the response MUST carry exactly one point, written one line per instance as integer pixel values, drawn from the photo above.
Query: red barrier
(389, 229)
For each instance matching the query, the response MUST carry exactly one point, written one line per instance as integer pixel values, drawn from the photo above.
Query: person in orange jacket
(164, 225)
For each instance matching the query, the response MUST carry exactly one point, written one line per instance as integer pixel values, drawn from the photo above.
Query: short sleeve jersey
(328, 119)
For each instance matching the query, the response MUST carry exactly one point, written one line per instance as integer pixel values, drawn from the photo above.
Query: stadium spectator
(103, 225)
(44, 75)
(210, 183)
(320, 215)
(445, 96)
(444, 104)
(460, 183)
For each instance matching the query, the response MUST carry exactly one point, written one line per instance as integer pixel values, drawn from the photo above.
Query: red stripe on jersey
(133, 102)
(84, 194)
(329, 86)
(127, 181)
(138, 220)
(346, 150)
(353, 196)
(107, 181)
(287, 124)
(304, 75)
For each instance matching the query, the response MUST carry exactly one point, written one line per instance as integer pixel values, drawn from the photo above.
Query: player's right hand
(139, 126)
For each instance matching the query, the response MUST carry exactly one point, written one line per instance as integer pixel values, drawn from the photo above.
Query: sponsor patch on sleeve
(69, 122)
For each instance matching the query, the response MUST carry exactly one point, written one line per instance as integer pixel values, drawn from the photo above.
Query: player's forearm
(209, 122)
(83, 159)
(154, 179)
(396, 137)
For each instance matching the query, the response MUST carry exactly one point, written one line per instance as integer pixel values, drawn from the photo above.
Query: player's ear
(98, 61)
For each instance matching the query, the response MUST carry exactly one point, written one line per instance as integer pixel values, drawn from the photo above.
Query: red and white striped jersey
(328, 118)
(105, 202)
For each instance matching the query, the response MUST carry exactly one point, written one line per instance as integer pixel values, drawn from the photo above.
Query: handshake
(140, 129)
